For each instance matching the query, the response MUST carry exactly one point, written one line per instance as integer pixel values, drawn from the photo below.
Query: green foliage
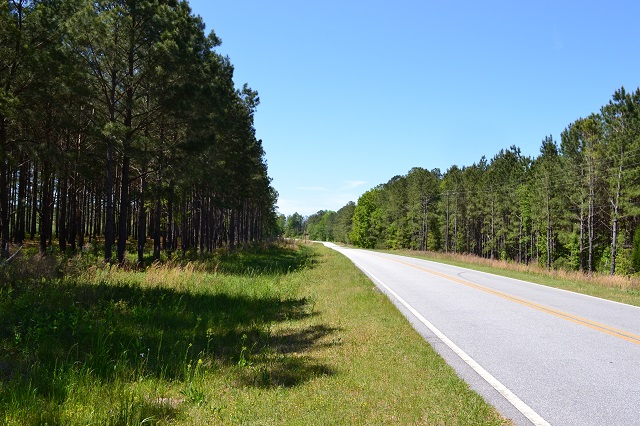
(635, 252)
(281, 224)
(365, 233)
(321, 225)
(294, 226)
(624, 265)
(343, 223)
(88, 88)
(563, 264)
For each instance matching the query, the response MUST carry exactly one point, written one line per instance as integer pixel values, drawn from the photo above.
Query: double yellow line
(621, 334)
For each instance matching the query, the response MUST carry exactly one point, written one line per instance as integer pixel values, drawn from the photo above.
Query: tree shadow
(272, 260)
(283, 371)
(282, 364)
(49, 327)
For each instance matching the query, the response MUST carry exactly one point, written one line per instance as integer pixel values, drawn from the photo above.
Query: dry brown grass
(605, 280)
(618, 288)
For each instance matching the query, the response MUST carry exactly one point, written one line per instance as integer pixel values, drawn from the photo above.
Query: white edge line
(520, 405)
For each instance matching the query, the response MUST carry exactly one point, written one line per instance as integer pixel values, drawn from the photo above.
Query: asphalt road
(538, 354)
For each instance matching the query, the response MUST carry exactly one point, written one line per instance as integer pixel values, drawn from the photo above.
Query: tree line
(575, 206)
(119, 122)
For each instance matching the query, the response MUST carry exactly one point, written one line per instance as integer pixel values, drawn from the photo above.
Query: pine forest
(576, 206)
(121, 128)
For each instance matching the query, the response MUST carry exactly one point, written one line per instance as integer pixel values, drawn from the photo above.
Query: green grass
(280, 335)
(616, 288)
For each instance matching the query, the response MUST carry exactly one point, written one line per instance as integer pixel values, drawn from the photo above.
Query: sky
(353, 93)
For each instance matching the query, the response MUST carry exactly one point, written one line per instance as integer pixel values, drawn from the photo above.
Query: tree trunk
(455, 226)
(73, 213)
(232, 230)
(446, 232)
(45, 208)
(156, 228)
(142, 218)
(549, 232)
(4, 191)
(203, 224)
(592, 196)
(520, 240)
(109, 227)
(123, 217)
(590, 228)
(493, 235)
(170, 231)
(185, 235)
(62, 215)
(34, 202)
(616, 204)
(20, 230)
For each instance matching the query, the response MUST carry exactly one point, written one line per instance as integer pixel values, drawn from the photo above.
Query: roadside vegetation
(273, 335)
(623, 289)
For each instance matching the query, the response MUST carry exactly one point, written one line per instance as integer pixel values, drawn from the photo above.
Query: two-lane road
(538, 354)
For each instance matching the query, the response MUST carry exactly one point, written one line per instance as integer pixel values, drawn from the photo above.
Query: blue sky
(355, 92)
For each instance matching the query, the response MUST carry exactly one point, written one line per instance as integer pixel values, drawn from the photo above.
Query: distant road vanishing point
(538, 354)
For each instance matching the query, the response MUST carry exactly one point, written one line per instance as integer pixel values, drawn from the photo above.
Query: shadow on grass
(282, 365)
(121, 333)
(272, 260)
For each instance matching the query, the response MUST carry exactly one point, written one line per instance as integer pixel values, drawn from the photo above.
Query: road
(539, 355)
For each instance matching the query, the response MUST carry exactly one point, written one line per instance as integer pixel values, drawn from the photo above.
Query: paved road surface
(539, 355)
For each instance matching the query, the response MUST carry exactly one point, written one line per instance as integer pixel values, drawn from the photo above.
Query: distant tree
(294, 225)
(620, 143)
(394, 207)
(320, 226)
(365, 233)
(547, 184)
(452, 190)
(423, 194)
(343, 223)
(281, 223)
(579, 143)
(314, 227)
(503, 174)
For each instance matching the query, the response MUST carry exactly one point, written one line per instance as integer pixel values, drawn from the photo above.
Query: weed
(194, 394)
(244, 359)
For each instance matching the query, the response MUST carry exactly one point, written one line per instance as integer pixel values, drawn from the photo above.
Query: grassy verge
(617, 288)
(274, 336)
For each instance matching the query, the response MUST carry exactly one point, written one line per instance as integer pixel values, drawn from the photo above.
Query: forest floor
(277, 335)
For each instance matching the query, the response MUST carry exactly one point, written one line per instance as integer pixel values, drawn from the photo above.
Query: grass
(618, 288)
(279, 335)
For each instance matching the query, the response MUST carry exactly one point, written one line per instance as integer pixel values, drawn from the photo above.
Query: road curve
(538, 354)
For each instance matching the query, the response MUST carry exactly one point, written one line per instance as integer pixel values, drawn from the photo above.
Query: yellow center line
(621, 334)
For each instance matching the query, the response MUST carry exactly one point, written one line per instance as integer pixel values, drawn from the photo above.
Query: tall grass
(274, 335)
